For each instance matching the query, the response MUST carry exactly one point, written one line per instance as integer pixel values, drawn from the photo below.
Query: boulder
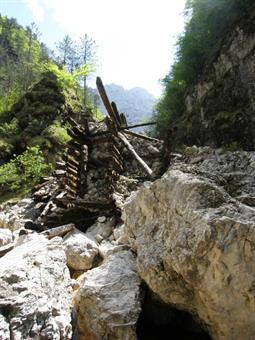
(5, 237)
(35, 291)
(194, 239)
(109, 301)
(15, 216)
(81, 250)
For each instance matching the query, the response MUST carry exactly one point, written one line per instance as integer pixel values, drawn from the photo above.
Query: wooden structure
(75, 202)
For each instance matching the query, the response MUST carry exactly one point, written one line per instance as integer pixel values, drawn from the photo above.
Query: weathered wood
(70, 170)
(111, 126)
(5, 249)
(123, 120)
(60, 173)
(138, 125)
(73, 161)
(86, 126)
(107, 104)
(138, 135)
(136, 156)
(116, 112)
(115, 151)
(70, 191)
(73, 178)
(58, 231)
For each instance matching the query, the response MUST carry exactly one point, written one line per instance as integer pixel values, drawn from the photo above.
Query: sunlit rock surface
(108, 302)
(194, 234)
(35, 292)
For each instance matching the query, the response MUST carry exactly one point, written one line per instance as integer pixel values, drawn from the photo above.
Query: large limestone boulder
(195, 238)
(81, 250)
(35, 291)
(109, 302)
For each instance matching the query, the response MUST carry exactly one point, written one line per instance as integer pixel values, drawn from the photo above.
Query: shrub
(23, 171)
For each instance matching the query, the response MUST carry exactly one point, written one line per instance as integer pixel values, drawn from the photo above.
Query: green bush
(23, 171)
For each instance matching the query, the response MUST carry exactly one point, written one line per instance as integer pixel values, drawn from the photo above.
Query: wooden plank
(138, 125)
(111, 126)
(73, 161)
(136, 156)
(115, 151)
(72, 171)
(107, 104)
(123, 120)
(86, 126)
(138, 135)
(116, 112)
(59, 231)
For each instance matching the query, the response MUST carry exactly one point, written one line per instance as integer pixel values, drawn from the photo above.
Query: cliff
(219, 107)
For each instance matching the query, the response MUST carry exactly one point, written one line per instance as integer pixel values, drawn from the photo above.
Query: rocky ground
(182, 250)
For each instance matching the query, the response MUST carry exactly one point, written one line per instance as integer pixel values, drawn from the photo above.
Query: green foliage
(64, 77)
(23, 171)
(8, 100)
(207, 23)
(58, 133)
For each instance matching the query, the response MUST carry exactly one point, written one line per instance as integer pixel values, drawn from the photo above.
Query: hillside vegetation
(37, 94)
(207, 25)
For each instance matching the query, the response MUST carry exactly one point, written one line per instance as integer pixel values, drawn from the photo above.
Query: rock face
(35, 291)
(108, 301)
(194, 234)
(219, 108)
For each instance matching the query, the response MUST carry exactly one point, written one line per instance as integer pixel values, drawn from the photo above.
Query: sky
(135, 38)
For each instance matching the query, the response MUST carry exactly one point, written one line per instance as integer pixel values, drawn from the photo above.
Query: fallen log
(58, 231)
(136, 156)
(138, 125)
(138, 135)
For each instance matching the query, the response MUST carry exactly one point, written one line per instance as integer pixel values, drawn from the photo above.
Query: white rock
(194, 242)
(107, 248)
(80, 250)
(5, 236)
(35, 290)
(101, 219)
(108, 302)
(120, 235)
(103, 229)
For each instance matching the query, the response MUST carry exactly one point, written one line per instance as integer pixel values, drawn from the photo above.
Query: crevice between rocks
(159, 321)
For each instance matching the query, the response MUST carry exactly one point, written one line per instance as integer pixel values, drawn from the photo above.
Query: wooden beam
(123, 120)
(138, 135)
(116, 112)
(58, 231)
(111, 126)
(136, 156)
(107, 104)
(138, 125)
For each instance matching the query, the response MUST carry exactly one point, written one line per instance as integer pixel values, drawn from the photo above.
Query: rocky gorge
(179, 263)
